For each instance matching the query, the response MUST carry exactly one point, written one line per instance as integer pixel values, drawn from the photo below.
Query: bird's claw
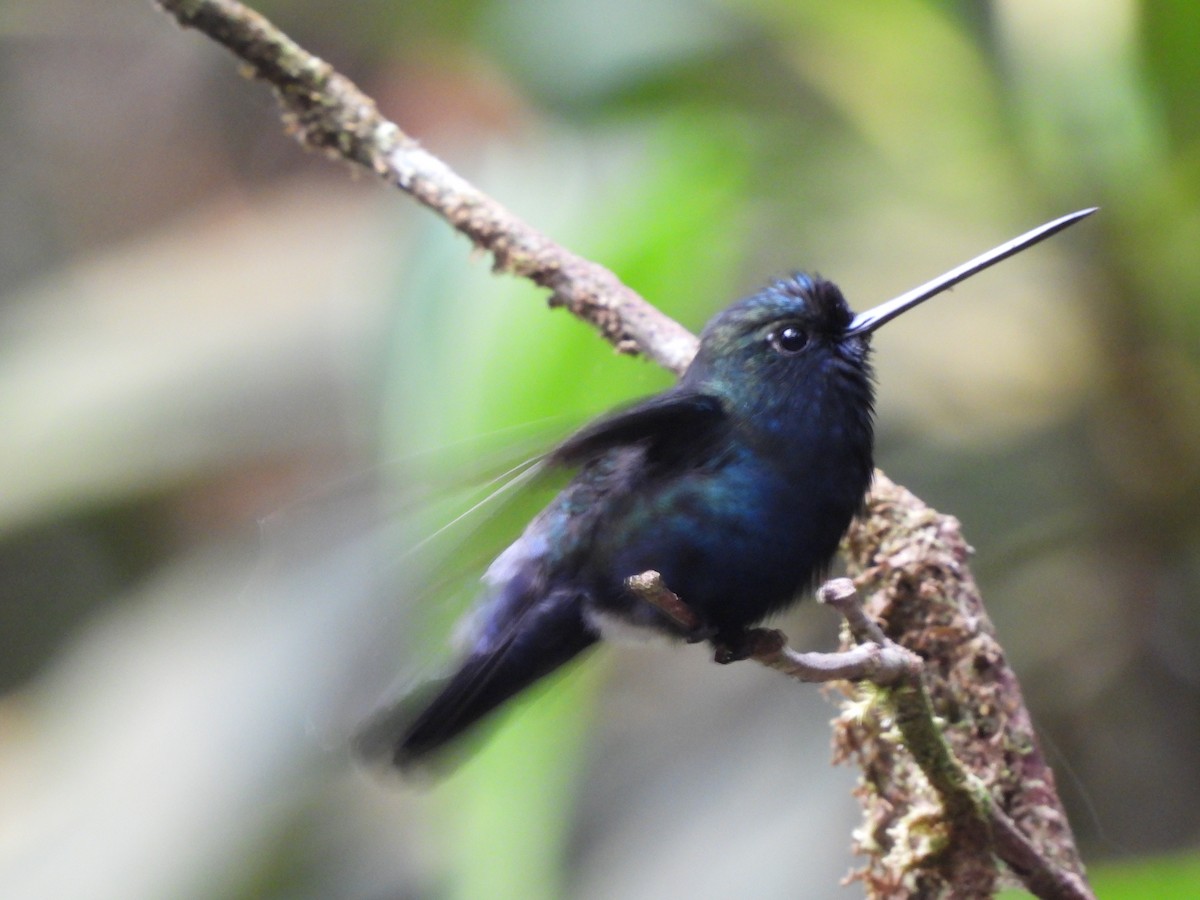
(730, 648)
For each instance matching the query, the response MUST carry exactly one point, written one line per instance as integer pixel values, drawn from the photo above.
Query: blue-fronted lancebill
(736, 485)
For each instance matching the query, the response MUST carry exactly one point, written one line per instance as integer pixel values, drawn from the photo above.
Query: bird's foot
(729, 648)
(700, 633)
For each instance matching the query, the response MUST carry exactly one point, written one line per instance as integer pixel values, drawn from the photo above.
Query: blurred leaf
(513, 802)
(1170, 34)
(572, 51)
(1161, 878)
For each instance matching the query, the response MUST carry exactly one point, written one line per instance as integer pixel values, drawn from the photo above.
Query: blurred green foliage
(1155, 878)
(240, 389)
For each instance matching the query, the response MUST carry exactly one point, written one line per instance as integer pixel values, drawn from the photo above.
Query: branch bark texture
(326, 111)
(923, 833)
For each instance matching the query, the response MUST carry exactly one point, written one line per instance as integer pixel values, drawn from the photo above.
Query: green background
(240, 387)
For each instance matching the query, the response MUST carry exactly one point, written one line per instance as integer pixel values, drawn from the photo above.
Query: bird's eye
(788, 340)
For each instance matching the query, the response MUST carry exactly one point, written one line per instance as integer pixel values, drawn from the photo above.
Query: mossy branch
(960, 738)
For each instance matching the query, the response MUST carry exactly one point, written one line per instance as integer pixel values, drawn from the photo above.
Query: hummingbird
(736, 485)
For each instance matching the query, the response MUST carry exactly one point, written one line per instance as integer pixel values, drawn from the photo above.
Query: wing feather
(676, 417)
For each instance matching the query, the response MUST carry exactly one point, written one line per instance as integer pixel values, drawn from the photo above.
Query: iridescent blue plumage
(737, 485)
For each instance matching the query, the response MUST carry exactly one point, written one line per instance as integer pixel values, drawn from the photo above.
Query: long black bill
(865, 323)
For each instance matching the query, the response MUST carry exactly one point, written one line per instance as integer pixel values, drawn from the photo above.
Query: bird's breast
(735, 540)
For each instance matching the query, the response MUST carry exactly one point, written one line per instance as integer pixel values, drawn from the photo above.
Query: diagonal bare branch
(326, 111)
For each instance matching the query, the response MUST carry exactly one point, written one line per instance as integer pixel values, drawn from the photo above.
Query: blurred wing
(531, 620)
(524, 628)
(673, 419)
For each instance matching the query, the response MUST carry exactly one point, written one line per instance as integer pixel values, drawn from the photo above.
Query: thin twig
(650, 587)
(842, 595)
(878, 663)
(882, 663)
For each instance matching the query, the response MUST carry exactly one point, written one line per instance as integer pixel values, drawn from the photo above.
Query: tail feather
(550, 634)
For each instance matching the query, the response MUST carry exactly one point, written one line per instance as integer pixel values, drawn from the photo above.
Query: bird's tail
(549, 635)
